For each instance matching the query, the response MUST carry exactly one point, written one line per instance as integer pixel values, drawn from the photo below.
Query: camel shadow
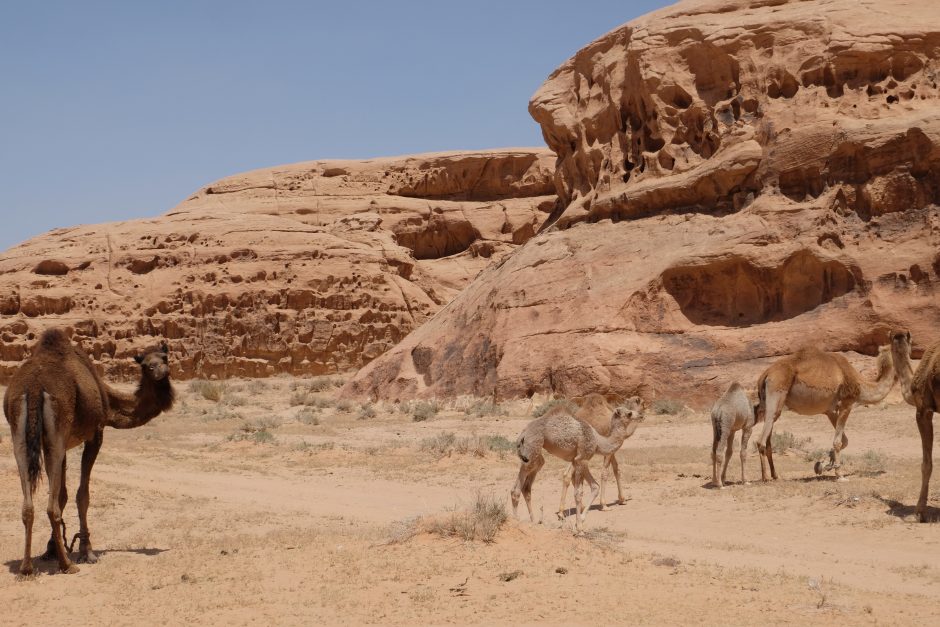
(708, 485)
(905, 512)
(815, 478)
(570, 511)
(51, 567)
(147, 552)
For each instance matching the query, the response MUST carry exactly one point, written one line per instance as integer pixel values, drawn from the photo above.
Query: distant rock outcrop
(306, 268)
(736, 178)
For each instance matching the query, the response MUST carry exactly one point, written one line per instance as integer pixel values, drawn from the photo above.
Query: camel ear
(164, 347)
(139, 359)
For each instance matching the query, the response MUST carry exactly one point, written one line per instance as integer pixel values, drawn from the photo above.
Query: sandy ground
(254, 510)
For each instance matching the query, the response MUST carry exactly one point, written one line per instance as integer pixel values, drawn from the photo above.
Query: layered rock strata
(736, 178)
(308, 268)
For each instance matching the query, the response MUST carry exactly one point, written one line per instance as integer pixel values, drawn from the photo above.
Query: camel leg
(578, 481)
(774, 401)
(50, 553)
(565, 482)
(524, 470)
(719, 456)
(54, 473)
(55, 465)
(22, 464)
(605, 471)
(729, 450)
(615, 468)
(745, 436)
(770, 461)
(838, 443)
(834, 419)
(595, 489)
(538, 462)
(925, 426)
(717, 453)
(89, 454)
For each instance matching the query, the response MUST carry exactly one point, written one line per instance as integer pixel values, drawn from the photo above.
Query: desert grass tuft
(481, 522)
(209, 390)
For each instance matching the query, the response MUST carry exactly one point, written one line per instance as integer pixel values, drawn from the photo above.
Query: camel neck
(149, 400)
(902, 364)
(612, 443)
(876, 391)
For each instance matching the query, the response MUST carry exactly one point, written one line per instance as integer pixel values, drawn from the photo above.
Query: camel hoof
(818, 468)
(71, 569)
(922, 517)
(87, 557)
(720, 486)
(621, 501)
(841, 479)
(26, 570)
(604, 508)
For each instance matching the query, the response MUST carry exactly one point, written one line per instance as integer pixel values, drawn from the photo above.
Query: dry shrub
(424, 410)
(667, 406)
(258, 431)
(782, 441)
(872, 462)
(444, 444)
(479, 523)
(366, 412)
(209, 390)
(308, 416)
(483, 408)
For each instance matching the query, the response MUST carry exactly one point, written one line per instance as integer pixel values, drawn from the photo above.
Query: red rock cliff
(737, 178)
(307, 268)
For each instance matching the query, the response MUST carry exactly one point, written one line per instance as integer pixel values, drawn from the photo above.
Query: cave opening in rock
(736, 292)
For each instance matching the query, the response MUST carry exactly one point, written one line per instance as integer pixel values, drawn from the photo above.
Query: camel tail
(519, 444)
(716, 423)
(760, 410)
(34, 429)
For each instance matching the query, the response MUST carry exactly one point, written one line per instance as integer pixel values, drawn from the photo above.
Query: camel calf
(574, 441)
(594, 410)
(732, 412)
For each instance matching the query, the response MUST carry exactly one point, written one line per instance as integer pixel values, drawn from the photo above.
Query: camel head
(628, 413)
(155, 365)
(901, 343)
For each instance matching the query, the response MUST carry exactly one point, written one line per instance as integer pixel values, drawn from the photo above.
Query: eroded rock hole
(735, 292)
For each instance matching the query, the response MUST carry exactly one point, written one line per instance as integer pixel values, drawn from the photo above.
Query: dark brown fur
(60, 378)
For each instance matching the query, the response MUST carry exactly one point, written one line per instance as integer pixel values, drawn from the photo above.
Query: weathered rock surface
(736, 178)
(306, 268)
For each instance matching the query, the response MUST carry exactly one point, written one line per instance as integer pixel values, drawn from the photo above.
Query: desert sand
(281, 503)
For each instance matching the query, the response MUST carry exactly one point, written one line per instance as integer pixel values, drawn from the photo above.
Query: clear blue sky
(115, 110)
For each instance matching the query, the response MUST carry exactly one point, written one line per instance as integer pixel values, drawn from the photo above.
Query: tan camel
(595, 410)
(922, 390)
(56, 401)
(568, 438)
(813, 382)
(730, 413)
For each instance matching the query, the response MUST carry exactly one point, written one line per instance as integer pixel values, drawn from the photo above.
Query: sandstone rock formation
(736, 178)
(307, 268)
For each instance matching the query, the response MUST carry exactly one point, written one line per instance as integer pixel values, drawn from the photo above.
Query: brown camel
(595, 411)
(574, 441)
(922, 390)
(813, 382)
(56, 401)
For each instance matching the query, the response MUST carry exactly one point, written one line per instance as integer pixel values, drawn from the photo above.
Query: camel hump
(55, 340)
